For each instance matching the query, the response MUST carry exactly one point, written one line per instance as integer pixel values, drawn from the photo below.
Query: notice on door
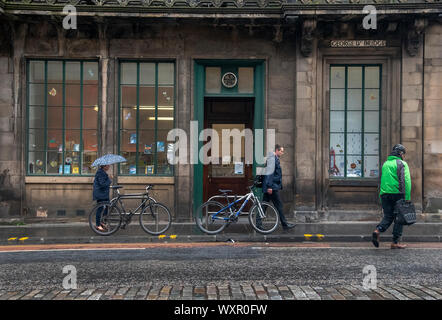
(239, 167)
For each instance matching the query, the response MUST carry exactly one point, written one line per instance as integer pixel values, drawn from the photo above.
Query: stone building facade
(338, 95)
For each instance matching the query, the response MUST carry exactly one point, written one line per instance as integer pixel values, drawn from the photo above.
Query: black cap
(399, 148)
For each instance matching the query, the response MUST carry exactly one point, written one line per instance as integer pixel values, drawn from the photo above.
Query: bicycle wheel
(207, 221)
(264, 219)
(109, 217)
(155, 218)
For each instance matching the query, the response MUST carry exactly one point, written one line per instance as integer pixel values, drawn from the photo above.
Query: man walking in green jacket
(395, 185)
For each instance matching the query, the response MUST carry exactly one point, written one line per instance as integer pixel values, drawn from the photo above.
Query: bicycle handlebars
(117, 187)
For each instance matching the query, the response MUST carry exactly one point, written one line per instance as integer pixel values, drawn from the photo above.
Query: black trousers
(276, 200)
(100, 212)
(388, 202)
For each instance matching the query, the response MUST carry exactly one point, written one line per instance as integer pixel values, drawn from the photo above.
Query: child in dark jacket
(102, 184)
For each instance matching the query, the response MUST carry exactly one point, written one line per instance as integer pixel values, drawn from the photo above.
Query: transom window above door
(229, 80)
(355, 104)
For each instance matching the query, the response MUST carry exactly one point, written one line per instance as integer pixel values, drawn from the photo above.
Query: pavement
(80, 232)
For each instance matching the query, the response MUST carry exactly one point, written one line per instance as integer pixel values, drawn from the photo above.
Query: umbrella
(108, 159)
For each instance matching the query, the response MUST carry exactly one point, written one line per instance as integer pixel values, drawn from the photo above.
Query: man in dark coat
(272, 183)
(102, 184)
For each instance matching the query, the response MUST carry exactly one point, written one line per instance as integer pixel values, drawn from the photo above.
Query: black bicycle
(155, 218)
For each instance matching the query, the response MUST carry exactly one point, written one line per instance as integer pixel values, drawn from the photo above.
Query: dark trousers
(388, 202)
(276, 200)
(99, 212)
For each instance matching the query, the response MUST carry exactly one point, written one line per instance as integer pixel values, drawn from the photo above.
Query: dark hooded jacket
(102, 183)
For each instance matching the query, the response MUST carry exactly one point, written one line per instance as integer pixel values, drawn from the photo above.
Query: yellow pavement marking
(10, 239)
(320, 236)
(308, 236)
(173, 236)
(24, 238)
(162, 236)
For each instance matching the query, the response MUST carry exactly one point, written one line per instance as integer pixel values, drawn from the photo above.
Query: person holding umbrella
(102, 182)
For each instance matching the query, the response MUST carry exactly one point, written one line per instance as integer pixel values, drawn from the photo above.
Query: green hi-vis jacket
(396, 177)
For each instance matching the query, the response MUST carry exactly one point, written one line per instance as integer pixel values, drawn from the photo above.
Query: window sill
(145, 180)
(354, 182)
(61, 179)
(90, 180)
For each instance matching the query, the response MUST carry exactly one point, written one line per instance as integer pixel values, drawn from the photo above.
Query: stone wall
(182, 42)
(432, 119)
(411, 119)
(292, 106)
(10, 165)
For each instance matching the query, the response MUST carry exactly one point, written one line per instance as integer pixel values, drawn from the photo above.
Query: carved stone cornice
(207, 4)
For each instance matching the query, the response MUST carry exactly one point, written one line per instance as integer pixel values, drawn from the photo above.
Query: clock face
(229, 80)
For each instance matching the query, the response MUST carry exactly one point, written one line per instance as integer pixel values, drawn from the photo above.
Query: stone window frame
(390, 61)
(347, 110)
(25, 94)
(119, 61)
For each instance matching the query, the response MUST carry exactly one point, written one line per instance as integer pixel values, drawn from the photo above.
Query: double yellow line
(19, 239)
(163, 236)
(310, 236)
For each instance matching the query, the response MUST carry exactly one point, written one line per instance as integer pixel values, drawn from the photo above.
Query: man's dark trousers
(388, 203)
(274, 197)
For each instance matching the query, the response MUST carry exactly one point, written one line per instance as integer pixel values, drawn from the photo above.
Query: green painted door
(226, 79)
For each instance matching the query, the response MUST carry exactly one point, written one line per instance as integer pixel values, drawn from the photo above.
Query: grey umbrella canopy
(108, 159)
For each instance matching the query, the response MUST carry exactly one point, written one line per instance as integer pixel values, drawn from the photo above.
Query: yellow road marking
(10, 239)
(162, 236)
(24, 238)
(173, 236)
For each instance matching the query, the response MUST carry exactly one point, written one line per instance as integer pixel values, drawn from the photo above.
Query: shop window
(62, 117)
(355, 92)
(147, 104)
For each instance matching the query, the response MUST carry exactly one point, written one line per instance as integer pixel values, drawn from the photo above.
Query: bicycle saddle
(224, 191)
(116, 187)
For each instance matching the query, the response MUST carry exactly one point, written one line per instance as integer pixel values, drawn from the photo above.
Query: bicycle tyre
(269, 222)
(112, 220)
(207, 225)
(149, 218)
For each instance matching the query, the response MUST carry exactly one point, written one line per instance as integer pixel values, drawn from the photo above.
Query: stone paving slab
(232, 291)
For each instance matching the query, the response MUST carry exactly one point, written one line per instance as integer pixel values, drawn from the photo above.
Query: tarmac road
(220, 264)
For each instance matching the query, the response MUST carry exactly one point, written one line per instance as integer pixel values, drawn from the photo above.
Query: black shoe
(375, 239)
(288, 226)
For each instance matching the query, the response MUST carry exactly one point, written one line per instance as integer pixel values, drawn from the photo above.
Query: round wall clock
(229, 80)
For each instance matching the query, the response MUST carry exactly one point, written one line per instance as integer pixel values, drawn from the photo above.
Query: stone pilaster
(411, 117)
(432, 119)
(305, 138)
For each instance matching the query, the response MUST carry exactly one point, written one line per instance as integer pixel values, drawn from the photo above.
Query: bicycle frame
(236, 214)
(118, 199)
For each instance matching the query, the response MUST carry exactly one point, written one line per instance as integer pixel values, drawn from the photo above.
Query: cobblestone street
(217, 271)
(255, 291)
